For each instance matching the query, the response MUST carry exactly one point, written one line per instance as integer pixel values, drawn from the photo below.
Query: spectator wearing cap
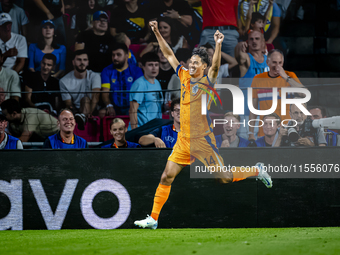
(13, 45)
(65, 138)
(51, 10)
(9, 82)
(146, 104)
(28, 124)
(118, 130)
(18, 15)
(118, 76)
(43, 81)
(80, 88)
(47, 44)
(98, 42)
(7, 142)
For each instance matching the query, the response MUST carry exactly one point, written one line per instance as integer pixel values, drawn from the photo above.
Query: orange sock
(161, 196)
(241, 174)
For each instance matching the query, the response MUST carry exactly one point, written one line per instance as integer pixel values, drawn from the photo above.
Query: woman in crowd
(46, 44)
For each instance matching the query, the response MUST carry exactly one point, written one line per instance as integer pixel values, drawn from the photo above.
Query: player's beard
(119, 65)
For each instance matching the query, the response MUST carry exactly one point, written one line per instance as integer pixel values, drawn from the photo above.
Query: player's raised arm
(167, 51)
(216, 61)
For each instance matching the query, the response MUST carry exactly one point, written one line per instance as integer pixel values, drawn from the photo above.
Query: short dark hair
(257, 16)
(183, 54)
(79, 52)
(274, 50)
(149, 57)
(50, 56)
(202, 53)
(65, 109)
(174, 102)
(120, 46)
(11, 105)
(208, 46)
(322, 109)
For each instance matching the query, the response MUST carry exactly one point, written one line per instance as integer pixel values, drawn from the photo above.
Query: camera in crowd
(307, 129)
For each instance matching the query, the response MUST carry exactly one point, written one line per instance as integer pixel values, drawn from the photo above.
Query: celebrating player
(194, 141)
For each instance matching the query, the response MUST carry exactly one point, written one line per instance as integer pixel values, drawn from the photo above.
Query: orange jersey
(264, 93)
(193, 123)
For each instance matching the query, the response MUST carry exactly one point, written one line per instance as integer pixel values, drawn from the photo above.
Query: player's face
(230, 128)
(118, 131)
(151, 69)
(119, 58)
(66, 122)
(255, 41)
(164, 29)
(47, 31)
(81, 62)
(275, 60)
(46, 66)
(176, 113)
(196, 67)
(297, 114)
(316, 114)
(3, 125)
(270, 127)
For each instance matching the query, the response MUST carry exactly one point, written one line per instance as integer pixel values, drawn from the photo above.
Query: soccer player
(194, 141)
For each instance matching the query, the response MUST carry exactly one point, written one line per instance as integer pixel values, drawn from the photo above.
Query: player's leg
(179, 158)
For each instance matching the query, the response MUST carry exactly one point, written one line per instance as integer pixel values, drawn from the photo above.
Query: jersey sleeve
(64, 92)
(182, 72)
(157, 132)
(105, 79)
(276, 10)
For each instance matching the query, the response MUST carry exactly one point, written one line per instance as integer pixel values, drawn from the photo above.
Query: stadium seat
(106, 125)
(91, 133)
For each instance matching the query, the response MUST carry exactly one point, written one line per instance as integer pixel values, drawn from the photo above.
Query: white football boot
(149, 222)
(263, 175)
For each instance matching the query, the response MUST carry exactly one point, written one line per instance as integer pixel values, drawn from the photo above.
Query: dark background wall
(194, 203)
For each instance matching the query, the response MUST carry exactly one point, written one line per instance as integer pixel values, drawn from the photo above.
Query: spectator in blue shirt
(229, 138)
(166, 136)
(65, 138)
(46, 44)
(118, 130)
(271, 125)
(118, 76)
(146, 105)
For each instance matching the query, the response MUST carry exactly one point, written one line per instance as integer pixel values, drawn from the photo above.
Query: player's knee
(166, 178)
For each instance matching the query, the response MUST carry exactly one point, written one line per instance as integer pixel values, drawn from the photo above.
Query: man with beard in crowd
(119, 76)
(80, 89)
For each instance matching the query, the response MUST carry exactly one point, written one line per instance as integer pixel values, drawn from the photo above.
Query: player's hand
(154, 25)
(283, 132)
(49, 16)
(159, 143)
(218, 37)
(225, 144)
(251, 137)
(110, 111)
(305, 142)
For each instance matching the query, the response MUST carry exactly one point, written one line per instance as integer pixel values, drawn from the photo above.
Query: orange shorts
(204, 149)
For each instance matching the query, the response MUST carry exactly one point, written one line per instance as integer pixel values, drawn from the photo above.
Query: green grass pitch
(275, 241)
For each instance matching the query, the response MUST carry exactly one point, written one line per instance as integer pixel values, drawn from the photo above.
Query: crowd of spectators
(85, 56)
